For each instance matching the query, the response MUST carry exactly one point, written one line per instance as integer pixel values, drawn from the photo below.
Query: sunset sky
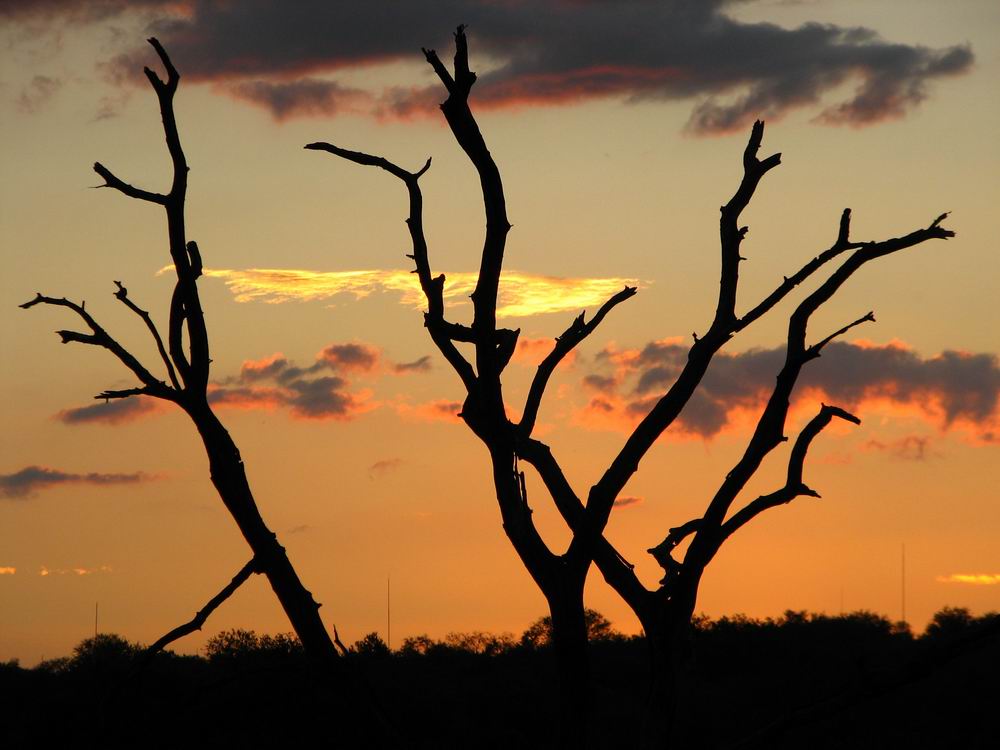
(619, 129)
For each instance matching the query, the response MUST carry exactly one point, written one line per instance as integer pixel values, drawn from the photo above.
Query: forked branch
(122, 296)
(100, 337)
(578, 330)
(794, 486)
(443, 333)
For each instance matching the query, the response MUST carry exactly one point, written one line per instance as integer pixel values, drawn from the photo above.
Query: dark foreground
(802, 681)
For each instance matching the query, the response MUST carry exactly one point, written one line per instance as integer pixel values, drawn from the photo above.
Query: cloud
(7, 570)
(305, 98)
(349, 357)
(300, 529)
(952, 388)
(548, 52)
(626, 501)
(31, 479)
(263, 369)
(384, 466)
(79, 571)
(37, 93)
(521, 294)
(275, 382)
(909, 448)
(972, 579)
(418, 365)
(115, 411)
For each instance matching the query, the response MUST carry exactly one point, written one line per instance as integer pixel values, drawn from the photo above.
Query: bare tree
(665, 611)
(187, 369)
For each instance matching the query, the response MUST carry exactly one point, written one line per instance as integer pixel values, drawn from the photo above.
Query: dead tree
(187, 369)
(664, 611)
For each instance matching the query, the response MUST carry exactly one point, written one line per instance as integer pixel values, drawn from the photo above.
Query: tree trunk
(669, 643)
(229, 478)
(569, 642)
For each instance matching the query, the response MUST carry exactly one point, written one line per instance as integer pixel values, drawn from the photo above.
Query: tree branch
(794, 486)
(484, 298)
(842, 244)
(577, 332)
(815, 349)
(111, 181)
(100, 337)
(122, 295)
(196, 622)
(730, 233)
(442, 332)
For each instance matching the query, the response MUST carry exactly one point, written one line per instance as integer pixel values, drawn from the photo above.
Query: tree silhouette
(664, 611)
(187, 369)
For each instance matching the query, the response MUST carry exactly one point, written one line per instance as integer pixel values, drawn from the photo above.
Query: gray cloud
(543, 52)
(418, 365)
(117, 411)
(351, 356)
(32, 479)
(956, 386)
(626, 500)
(276, 382)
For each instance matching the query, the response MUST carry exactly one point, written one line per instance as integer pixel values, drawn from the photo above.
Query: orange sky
(614, 169)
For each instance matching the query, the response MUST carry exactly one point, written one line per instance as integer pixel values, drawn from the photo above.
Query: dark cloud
(528, 53)
(600, 383)
(347, 357)
(275, 382)
(262, 369)
(306, 98)
(117, 411)
(626, 500)
(322, 398)
(31, 479)
(953, 386)
(418, 365)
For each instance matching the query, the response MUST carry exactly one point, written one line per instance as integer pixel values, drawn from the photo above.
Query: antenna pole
(902, 583)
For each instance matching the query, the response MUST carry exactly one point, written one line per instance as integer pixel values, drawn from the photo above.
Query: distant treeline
(800, 680)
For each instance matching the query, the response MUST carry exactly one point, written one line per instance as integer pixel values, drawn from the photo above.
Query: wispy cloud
(116, 411)
(423, 364)
(35, 94)
(384, 466)
(908, 448)
(547, 52)
(971, 579)
(7, 570)
(626, 501)
(78, 571)
(32, 479)
(521, 294)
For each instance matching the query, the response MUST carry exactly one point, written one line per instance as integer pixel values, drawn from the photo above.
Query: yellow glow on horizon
(975, 579)
(521, 294)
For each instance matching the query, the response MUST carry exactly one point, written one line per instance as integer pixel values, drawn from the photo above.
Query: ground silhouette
(800, 680)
